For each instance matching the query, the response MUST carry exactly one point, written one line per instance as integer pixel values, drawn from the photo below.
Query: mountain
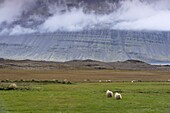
(101, 45)
(102, 30)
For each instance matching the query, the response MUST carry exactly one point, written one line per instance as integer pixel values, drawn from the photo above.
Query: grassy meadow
(138, 97)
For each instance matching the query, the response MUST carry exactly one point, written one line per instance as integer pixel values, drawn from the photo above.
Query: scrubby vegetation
(26, 84)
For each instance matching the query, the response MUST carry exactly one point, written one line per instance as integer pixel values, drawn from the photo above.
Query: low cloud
(130, 15)
(11, 10)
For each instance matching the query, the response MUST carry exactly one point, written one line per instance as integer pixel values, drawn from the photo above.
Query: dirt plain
(83, 71)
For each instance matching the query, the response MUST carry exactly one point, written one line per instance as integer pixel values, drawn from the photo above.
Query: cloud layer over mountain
(29, 16)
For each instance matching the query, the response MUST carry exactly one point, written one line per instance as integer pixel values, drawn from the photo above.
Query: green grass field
(139, 97)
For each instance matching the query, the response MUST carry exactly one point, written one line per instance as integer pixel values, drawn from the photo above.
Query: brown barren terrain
(84, 75)
(82, 71)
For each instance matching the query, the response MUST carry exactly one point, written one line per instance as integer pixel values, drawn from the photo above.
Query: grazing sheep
(100, 81)
(109, 94)
(118, 96)
(86, 80)
(65, 80)
(12, 86)
(133, 81)
(108, 80)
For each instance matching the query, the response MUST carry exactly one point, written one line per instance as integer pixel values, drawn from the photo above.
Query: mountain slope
(101, 45)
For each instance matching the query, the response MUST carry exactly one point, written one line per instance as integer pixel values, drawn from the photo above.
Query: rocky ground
(80, 64)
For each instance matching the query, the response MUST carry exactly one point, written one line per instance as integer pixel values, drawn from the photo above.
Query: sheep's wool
(118, 96)
(109, 93)
(13, 86)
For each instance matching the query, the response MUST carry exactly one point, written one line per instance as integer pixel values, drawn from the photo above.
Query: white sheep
(108, 80)
(133, 81)
(109, 93)
(118, 96)
(12, 86)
